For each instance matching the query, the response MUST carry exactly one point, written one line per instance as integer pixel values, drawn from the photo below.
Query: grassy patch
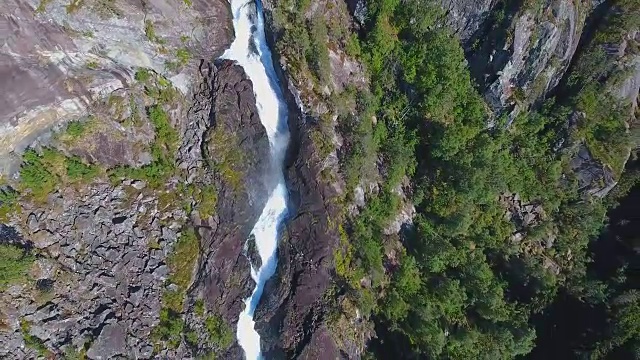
(150, 30)
(106, 8)
(75, 129)
(143, 75)
(170, 328)
(41, 174)
(14, 265)
(183, 56)
(35, 177)
(8, 203)
(198, 307)
(181, 264)
(93, 65)
(79, 171)
(184, 258)
(163, 151)
(207, 199)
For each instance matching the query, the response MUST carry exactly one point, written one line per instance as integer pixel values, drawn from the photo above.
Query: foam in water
(251, 51)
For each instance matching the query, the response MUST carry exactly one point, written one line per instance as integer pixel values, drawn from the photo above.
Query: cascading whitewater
(251, 51)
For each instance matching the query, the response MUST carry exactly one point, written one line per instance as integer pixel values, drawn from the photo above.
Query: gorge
(319, 179)
(251, 51)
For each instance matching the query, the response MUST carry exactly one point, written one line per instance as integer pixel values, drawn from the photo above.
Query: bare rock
(110, 342)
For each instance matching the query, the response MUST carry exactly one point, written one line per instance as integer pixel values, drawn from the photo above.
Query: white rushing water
(251, 51)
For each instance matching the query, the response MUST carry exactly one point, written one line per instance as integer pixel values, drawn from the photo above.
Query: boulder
(110, 342)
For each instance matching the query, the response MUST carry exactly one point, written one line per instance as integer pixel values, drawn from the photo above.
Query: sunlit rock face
(58, 58)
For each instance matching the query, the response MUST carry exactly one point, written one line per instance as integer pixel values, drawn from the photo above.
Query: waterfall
(250, 50)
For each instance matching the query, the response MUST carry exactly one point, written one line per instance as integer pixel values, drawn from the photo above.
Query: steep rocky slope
(59, 56)
(170, 150)
(450, 163)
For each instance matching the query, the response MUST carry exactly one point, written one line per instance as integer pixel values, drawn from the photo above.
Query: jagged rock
(252, 252)
(237, 142)
(291, 305)
(593, 177)
(466, 16)
(520, 56)
(139, 185)
(44, 269)
(110, 342)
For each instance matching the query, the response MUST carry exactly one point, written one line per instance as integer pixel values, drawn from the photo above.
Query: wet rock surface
(292, 307)
(236, 144)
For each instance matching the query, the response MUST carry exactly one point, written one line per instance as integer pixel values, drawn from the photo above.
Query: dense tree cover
(462, 288)
(606, 325)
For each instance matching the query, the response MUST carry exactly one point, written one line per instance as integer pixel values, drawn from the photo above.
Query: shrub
(207, 199)
(183, 56)
(33, 342)
(169, 329)
(318, 53)
(198, 307)
(8, 203)
(142, 75)
(163, 151)
(150, 30)
(220, 334)
(77, 170)
(75, 129)
(14, 264)
(35, 177)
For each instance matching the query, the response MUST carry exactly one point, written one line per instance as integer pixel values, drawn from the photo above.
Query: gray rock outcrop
(59, 56)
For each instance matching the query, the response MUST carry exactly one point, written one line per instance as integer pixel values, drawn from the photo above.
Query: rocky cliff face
(106, 251)
(59, 57)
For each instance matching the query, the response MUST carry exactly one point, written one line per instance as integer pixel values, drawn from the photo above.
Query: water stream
(251, 51)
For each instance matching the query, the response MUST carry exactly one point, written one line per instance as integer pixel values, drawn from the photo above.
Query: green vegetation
(220, 334)
(41, 174)
(8, 203)
(106, 8)
(76, 129)
(198, 307)
(36, 177)
(15, 263)
(79, 171)
(462, 287)
(93, 65)
(142, 75)
(170, 328)
(206, 201)
(162, 149)
(42, 6)
(181, 262)
(32, 341)
(304, 40)
(224, 156)
(74, 6)
(183, 56)
(150, 31)
(71, 353)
